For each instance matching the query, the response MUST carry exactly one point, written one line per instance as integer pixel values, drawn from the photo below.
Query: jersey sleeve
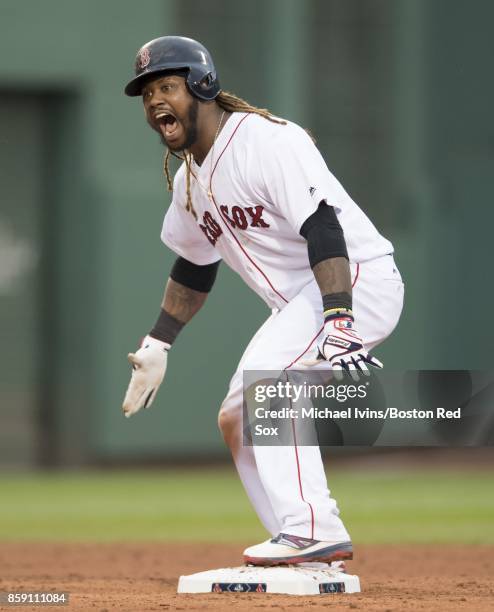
(181, 233)
(295, 177)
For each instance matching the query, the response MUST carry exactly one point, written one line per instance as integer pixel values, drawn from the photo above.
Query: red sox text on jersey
(236, 216)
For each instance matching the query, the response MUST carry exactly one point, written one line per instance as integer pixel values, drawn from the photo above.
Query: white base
(311, 579)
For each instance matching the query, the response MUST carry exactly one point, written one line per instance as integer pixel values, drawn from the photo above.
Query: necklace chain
(208, 189)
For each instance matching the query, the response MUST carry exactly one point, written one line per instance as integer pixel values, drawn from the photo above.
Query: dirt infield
(140, 577)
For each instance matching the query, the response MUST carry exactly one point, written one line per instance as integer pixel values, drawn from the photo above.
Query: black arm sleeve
(199, 278)
(324, 235)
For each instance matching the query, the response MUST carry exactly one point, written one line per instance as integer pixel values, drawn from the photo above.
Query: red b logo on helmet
(143, 58)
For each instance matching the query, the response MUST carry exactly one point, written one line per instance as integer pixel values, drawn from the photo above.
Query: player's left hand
(344, 349)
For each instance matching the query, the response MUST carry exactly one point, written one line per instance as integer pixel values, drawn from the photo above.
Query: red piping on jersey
(312, 521)
(305, 351)
(227, 225)
(293, 423)
(318, 333)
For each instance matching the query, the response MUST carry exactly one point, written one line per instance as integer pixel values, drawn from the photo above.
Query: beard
(190, 128)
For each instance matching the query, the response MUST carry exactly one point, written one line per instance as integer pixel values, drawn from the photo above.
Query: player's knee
(228, 422)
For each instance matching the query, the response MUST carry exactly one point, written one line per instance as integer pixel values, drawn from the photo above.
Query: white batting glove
(148, 371)
(344, 349)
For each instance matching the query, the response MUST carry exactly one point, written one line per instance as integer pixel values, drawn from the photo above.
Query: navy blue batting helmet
(170, 53)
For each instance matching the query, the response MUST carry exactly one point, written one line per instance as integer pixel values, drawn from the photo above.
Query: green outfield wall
(399, 97)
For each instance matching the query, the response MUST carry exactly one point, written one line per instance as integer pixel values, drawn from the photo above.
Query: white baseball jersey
(266, 179)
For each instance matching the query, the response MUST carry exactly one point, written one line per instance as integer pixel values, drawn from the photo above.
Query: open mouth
(167, 123)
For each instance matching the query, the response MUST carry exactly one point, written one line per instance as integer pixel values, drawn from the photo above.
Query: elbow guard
(324, 235)
(198, 278)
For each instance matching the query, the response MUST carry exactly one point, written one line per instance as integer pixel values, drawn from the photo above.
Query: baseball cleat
(287, 550)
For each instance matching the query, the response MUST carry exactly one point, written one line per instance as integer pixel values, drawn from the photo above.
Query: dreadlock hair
(231, 104)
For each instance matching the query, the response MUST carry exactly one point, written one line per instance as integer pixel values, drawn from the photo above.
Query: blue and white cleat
(286, 549)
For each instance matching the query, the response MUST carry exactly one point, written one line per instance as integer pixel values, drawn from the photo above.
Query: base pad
(311, 579)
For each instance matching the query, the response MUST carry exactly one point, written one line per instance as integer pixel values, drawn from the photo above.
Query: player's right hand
(148, 371)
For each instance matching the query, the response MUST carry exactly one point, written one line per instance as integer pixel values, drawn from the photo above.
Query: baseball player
(254, 191)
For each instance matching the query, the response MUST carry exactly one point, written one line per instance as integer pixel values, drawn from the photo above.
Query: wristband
(166, 328)
(337, 305)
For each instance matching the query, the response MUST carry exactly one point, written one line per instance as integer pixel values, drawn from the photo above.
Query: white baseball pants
(287, 485)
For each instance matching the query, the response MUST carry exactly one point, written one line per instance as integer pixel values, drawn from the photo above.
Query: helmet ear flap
(203, 86)
(206, 81)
